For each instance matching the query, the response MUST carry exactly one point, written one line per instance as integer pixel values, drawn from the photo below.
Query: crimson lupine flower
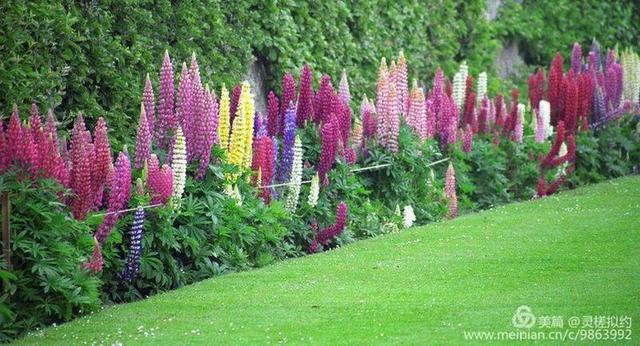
(159, 181)
(553, 160)
(499, 110)
(576, 59)
(483, 117)
(305, 100)
(467, 139)
(328, 153)
(288, 97)
(288, 142)
(555, 78)
(585, 99)
(368, 119)
(470, 110)
(135, 246)
(166, 117)
(449, 120)
(536, 88)
(233, 105)
(570, 104)
(273, 113)
(326, 103)
(143, 140)
(119, 194)
(14, 136)
(149, 101)
(265, 152)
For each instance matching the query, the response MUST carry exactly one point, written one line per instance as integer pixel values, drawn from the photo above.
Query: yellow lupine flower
(223, 125)
(247, 108)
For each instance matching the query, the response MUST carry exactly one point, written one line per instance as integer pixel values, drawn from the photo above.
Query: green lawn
(576, 254)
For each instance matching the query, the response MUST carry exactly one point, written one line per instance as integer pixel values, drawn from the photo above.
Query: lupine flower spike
(296, 177)
(135, 246)
(179, 168)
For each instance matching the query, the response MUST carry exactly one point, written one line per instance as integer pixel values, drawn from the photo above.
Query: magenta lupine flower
(324, 237)
(35, 124)
(288, 143)
(233, 105)
(449, 122)
(305, 100)
(166, 117)
(119, 194)
(185, 109)
(96, 261)
(328, 152)
(369, 125)
(576, 58)
(273, 114)
(102, 163)
(50, 127)
(326, 103)
(613, 85)
(343, 89)
(143, 140)
(392, 122)
(344, 117)
(29, 152)
(135, 246)
(149, 101)
(483, 115)
(467, 139)
(14, 136)
(288, 96)
(81, 180)
(437, 93)
(209, 131)
(265, 164)
(159, 181)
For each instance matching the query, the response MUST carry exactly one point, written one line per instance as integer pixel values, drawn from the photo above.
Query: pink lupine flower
(149, 101)
(102, 164)
(208, 132)
(50, 127)
(159, 181)
(37, 132)
(28, 154)
(328, 153)
(430, 119)
(273, 114)
(305, 109)
(96, 261)
(81, 181)
(119, 194)
(417, 112)
(402, 84)
(467, 139)
(166, 117)
(185, 109)
(392, 122)
(382, 102)
(143, 140)
(368, 119)
(14, 136)
(437, 93)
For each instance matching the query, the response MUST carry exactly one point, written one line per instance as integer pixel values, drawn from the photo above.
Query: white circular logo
(523, 317)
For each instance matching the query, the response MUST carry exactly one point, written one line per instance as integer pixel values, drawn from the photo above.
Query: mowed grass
(575, 254)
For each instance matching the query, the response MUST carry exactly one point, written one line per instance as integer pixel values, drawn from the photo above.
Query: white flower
(408, 216)
(233, 192)
(545, 115)
(314, 191)
(296, 177)
(482, 86)
(460, 85)
(179, 167)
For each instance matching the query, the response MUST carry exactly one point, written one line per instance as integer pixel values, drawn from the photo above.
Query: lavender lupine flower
(576, 59)
(166, 117)
(149, 101)
(343, 90)
(143, 140)
(595, 48)
(305, 100)
(273, 114)
(135, 246)
(288, 143)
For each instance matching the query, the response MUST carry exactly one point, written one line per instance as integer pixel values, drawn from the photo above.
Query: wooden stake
(6, 231)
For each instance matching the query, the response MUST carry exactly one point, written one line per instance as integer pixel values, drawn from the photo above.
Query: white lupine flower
(408, 217)
(545, 115)
(314, 191)
(296, 177)
(460, 85)
(482, 86)
(179, 167)
(233, 192)
(631, 76)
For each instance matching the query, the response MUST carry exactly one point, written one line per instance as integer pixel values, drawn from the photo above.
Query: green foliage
(45, 284)
(543, 28)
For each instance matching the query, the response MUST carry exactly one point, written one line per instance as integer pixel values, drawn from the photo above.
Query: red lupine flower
(166, 117)
(264, 163)
(554, 78)
(288, 96)
(305, 101)
(585, 90)
(149, 101)
(327, 104)
(536, 88)
(570, 103)
(273, 114)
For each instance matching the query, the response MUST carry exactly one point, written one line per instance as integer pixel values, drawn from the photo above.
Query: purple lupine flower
(599, 107)
(135, 246)
(273, 114)
(288, 142)
(595, 48)
(149, 101)
(288, 96)
(613, 85)
(305, 100)
(166, 117)
(143, 140)
(576, 58)
(259, 127)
